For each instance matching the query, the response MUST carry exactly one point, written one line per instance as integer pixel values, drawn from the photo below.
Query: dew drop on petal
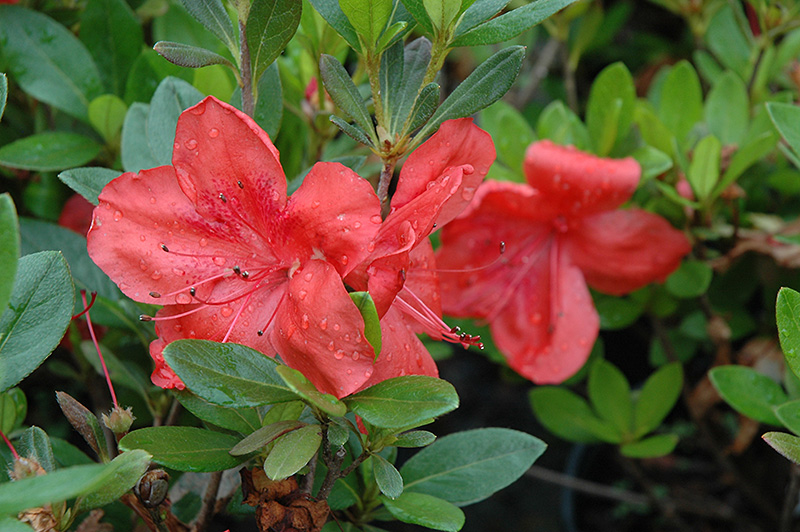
(183, 299)
(336, 327)
(304, 321)
(190, 144)
(368, 372)
(371, 247)
(349, 371)
(117, 216)
(315, 204)
(331, 347)
(339, 354)
(156, 275)
(302, 295)
(407, 347)
(123, 286)
(178, 272)
(152, 200)
(142, 265)
(344, 260)
(177, 327)
(346, 337)
(375, 218)
(142, 238)
(203, 242)
(226, 312)
(323, 324)
(356, 225)
(308, 276)
(213, 132)
(219, 261)
(356, 355)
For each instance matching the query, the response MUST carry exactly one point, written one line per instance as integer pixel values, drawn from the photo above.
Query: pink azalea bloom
(562, 231)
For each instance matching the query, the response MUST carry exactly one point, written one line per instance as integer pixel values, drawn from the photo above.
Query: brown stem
(334, 470)
(790, 500)
(539, 71)
(357, 462)
(209, 502)
(383, 185)
(588, 487)
(248, 106)
(308, 479)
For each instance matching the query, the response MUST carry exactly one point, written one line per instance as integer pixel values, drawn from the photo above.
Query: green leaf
(656, 398)
(40, 308)
(562, 126)
(401, 97)
(368, 17)
(48, 61)
(387, 477)
(681, 102)
(61, 485)
(185, 448)
(654, 162)
(690, 280)
(425, 510)
(88, 181)
(424, 107)
(609, 113)
(727, 41)
(727, 109)
(113, 35)
(483, 87)
(652, 447)
(787, 316)
(264, 436)
(703, 172)
(617, 312)
(244, 420)
(372, 323)
(189, 56)
(333, 15)
(172, 97)
(789, 415)
(510, 131)
(417, 10)
(11, 524)
(653, 131)
(34, 443)
(49, 151)
(404, 401)
(786, 118)
(414, 438)
(3, 93)
(441, 12)
(393, 31)
(569, 416)
(13, 409)
(137, 152)
(124, 472)
(786, 444)
(507, 26)
(269, 104)
(292, 452)
(351, 130)
(610, 395)
(299, 384)
(345, 94)
(212, 15)
(106, 115)
(748, 392)
(270, 26)
(227, 374)
(480, 11)
(746, 156)
(469, 466)
(9, 248)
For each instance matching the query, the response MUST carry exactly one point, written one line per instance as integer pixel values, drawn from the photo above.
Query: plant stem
(383, 184)
(209, 502)
(248, 105)
(334, 473)
(373, 66)
(569, 78)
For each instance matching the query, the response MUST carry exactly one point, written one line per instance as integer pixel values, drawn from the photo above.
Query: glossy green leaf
(657, 398)
(750, 393)
(106, 115)
(184, 448)
(511, 24)
(304, 388)
(703, 172)
(786, 444)
(789, 415)
(610, 395)
(49, 151)
(9, 247)
(484, 86)
(212, 15)
(467, 467)
(387, 477)
(113, 35)
(787, 316)
(609, 113)
(338, 433)
(426, 510)
(652, 447)
(40, 308)
(333, 15)
(3, 93)
(510, 131)
(681, 101)
(124, 472)
(227, 374)
(244, 420)
(480, 11)
(189, 56)
(264, 436)
(727, 109)
(61, 485)
(34, 443)
(392, 33)
(270, 26)
(372, 323)
(137, 152)
(88, 181)
(569, 416)
(404, 401)
(690, 280)
(368, 17)
(415, 438)
(292, 452)
(48, 61)
(345, 94)
(171, 98)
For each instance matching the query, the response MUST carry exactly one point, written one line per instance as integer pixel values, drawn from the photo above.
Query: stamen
(245, 274)
(164, 248)
(145, 317)
(97, 347)
(241, 185)
(478, 268)
(223, 198)
(437, 327)
(237, 270)
(260, 332)
(239, 313)
(10, 446)
(85, 310)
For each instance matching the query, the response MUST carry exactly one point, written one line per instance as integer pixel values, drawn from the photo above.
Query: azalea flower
(215, 240)
(436, 183)
(562, 231)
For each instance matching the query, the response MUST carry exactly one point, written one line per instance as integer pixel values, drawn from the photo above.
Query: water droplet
(178, 271)
(340, 217)
(371, 247)
(117, 216)
(142, 238)
(314, 204)
(375, 218)
(308, 276)
(302, 294)
(190, 144)
(142, 265)
(344, 260)
(183, 299)
(323, 324)
(152, 200)
(468, 193)
(356, 225)
(336, 327)
(177, 327)
(226, 311)
(213, 132)
(339, 354)
(407, 347)
(123, 286)
(346, 337)
(304, 322)
(219, 261)
(356, 355)
(368, 373)
(331, 347)
(349, 371)
(203, 242)
(156, 275)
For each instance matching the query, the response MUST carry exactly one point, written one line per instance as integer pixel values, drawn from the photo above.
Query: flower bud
(152, 488)
(119, 420)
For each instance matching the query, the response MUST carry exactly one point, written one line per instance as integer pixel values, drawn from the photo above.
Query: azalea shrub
(242, 238)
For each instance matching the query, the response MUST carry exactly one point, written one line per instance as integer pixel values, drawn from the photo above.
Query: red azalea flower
(561, 231)
(76, 214)
(215, 240)
(436, 183)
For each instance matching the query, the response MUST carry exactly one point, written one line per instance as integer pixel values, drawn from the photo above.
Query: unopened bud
(152, 488)
(119, 420)
(25, 468)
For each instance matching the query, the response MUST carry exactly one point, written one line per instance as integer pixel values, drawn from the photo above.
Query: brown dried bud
(152, 488)
(24, 468)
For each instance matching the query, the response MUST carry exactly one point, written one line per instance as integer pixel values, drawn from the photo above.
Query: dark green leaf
(13, 409)
(387, 477)
(124, 472)
(351, 130)
(39, 311)
(292, 452)
(569, 416)
(212, 15)
(510, 131)
(185, 448)
(9, 248)
(392, 32)
(227, 374)
(786, 444)
(749, 392)
(3, 93)
(404, 401)
(415, 438)
(372, 323)
(657, 397)
(617, 312)
(746, 156)
(424, 107)
(426, 510)
(137, 151)
(148, 71)
(186, 55)
(690, 280)
(786, 118)
(609, 113)
(106, 115)
(34, 443)
(49, 151)
(171, 98)
(333, 15)
(304, 388)
(417, 10)
(48, 61)
(469, 466)
(789, 415)
(483, 87)
(511, 24)
(787, 316)
(652, 447)
(264, 436)
(401, 98)
(345, 94)
(244, 420)
(88, 181)
(610, 395)
(480, 11)
(270, 26)
(653, 161)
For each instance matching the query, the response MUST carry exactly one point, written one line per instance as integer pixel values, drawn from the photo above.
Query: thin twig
(539, 72)
(588, 487)
(334, 470)
(569, 79)
(209, 502)
(383, 185)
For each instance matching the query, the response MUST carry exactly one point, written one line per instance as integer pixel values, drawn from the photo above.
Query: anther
(237, 270)
(241, 185)
(245, 274)
(145, 317)
(260, 333)
(223, 198)
(192, 291)
(164, 248)
(403, 274)
(502, 247)
(455, 329)
(155, 294)
(434, 225)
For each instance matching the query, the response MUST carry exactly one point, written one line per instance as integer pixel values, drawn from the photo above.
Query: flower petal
(622, 251)
(334, 212)
(228, 167)
(320, 332)
(457, 144)
(138, 213)
(576, 183)
(162, 375)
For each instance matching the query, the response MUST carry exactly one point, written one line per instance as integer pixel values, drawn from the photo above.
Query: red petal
(139, 213)
(575, 183)
(622, 251)
(216, 148)
(76, 214)
(320, 332)
(162, 375)
(334, 212)
(457, 144)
